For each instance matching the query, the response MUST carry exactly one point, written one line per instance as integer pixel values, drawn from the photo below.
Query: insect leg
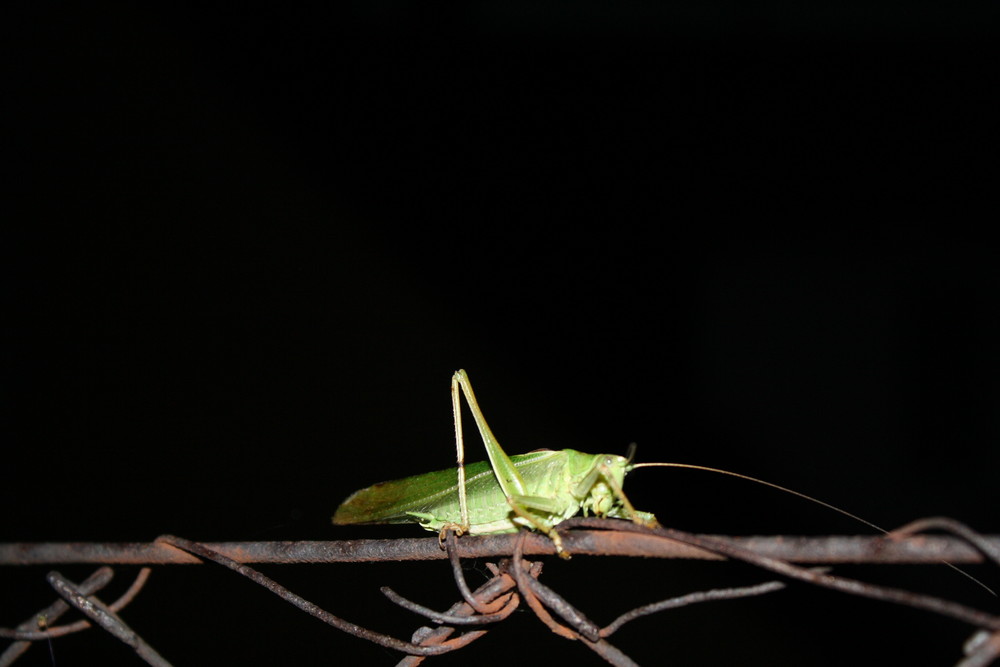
(507, 475)
(641, 518)
(540, 524)
(459, 455)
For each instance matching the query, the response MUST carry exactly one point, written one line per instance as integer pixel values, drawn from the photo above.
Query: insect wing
(389, 502)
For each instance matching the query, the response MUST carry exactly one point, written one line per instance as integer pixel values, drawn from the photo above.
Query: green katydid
(535, 490)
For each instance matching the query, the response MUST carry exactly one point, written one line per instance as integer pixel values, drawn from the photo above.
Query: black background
(249, 249)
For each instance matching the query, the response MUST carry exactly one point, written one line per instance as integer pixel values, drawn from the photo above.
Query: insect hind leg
(459, 456)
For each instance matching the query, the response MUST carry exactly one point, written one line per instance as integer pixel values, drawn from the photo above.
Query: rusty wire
(106, 618)
(82, 597)
(44, 618)
(51, 632)
(493, 591)
(310, 608)
(515, 579)
(922, 549)
(729, 549)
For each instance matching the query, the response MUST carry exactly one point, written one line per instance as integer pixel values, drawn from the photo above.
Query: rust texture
(516, 580)
(827, 549)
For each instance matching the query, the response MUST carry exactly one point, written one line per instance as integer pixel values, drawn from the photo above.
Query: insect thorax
(600, 498)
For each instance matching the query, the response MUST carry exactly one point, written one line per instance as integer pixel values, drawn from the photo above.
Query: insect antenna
(793, 492)
(784, 489)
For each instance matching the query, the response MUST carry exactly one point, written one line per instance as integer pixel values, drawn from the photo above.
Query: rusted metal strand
(827, 549)
(691, 598)
(962, 613)
(532, 588)
(346, 626)
(451, 546)
(954, 527)
(53, 631)
(103, 616)
(445, 617)
(538, 597)
(46, 617)
(981, 650)
(496, 589)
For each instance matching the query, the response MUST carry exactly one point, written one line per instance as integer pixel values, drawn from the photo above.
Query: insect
(534, 490)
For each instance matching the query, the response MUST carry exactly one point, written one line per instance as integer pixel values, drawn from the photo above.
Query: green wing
(389, 502)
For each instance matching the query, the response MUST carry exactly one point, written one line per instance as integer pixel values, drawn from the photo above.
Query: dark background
(248, 250)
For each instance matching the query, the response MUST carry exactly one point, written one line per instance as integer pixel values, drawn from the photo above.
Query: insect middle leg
(525, 507)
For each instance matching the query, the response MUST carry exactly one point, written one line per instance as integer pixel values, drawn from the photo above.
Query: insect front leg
(600, 491)
(614, 483)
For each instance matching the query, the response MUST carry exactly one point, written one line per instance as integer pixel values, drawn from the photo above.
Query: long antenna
(804, 496)
(720, 471)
